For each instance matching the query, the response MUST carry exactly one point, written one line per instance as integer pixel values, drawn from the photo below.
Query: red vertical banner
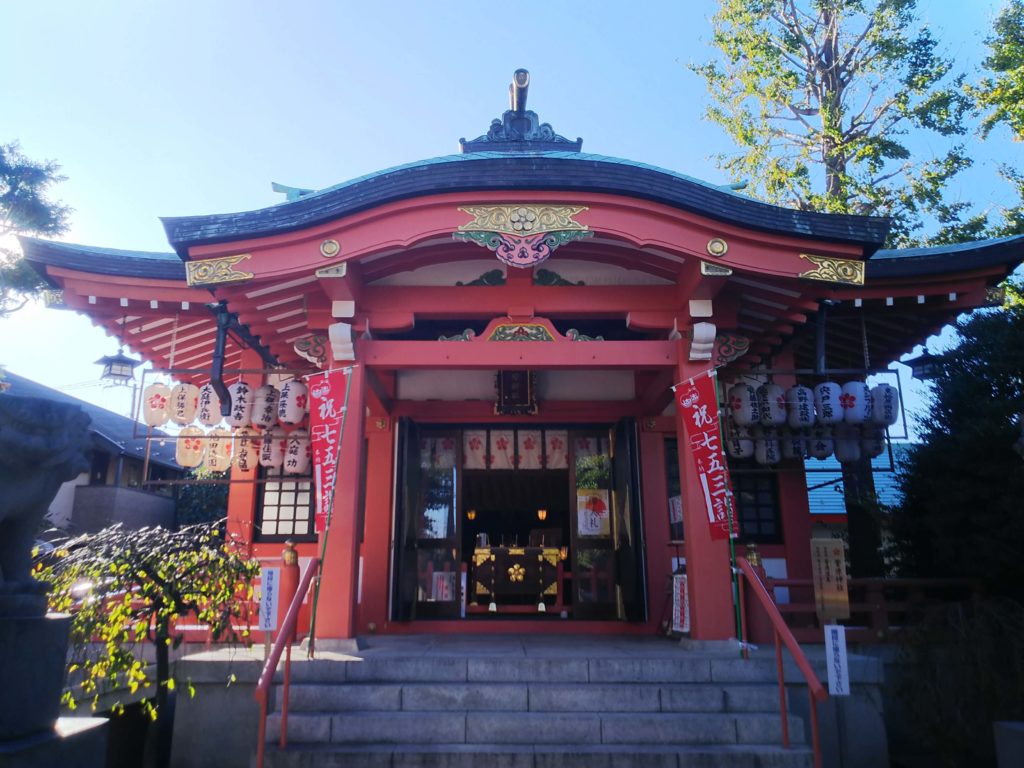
(328, 397)
(697, 399)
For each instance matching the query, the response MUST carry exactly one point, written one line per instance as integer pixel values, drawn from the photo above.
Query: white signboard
(835, 657)
(270, 590)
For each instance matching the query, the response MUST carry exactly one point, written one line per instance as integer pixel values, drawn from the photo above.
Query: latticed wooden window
(757, 504)
(286, 507)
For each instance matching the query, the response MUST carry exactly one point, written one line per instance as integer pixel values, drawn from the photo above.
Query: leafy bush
(125, 588)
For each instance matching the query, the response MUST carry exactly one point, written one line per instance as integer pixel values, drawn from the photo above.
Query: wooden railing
(283, 644)
(878, 607)
(815, 690)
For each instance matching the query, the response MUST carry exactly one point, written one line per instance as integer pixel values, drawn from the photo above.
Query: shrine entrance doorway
(506, 521)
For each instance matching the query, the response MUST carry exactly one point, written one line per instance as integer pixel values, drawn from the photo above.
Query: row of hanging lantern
(260, 407)
(258, 416)
(770, 424)
(220, 449)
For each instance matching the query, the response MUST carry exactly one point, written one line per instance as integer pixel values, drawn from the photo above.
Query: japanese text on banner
(327, 409)
(698, 404)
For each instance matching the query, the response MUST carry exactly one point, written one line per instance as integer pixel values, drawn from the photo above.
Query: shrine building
(512, 320)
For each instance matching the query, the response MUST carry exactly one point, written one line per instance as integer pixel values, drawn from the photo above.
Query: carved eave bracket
(522, 235)
(832, 270)
(702, 341)
(217, 271)
(312, 348)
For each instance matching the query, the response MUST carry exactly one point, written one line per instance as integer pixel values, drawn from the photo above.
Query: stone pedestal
(32, 651)
(73, 742)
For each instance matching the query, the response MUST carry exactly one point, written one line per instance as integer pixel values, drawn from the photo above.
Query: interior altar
(517, 579)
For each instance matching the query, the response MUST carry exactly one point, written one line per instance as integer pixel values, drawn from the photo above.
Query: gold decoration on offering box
(833, 270)
(515, 571)
(213, 271)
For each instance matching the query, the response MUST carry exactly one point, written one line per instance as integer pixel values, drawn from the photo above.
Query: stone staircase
(570, 703)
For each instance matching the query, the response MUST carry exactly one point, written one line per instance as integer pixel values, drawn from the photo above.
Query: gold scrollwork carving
(833, 270)
(522, 219)
(212, 271)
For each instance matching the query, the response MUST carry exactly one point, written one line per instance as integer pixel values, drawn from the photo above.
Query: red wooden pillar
(241, 505)
(709, 577)
(336, 606)
(377, 523)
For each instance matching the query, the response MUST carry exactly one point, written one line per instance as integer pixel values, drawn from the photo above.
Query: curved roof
(541, 170)
(910, 262)
(103, 261)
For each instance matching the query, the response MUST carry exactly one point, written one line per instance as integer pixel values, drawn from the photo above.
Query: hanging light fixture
(471, 514)
(119, 368)
(925, 366)
(542, 514)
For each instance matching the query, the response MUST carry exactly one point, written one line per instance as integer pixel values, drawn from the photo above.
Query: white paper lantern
(272, 448)
(293, 403)
(856, 402)
(247, 449)
(264, 407)
(872, 441)
(155, 401)
(819, 443)
(190, 447)
(242, 398)
(218, 450)
(826, 403)
(208, 410)
(771, 402)
(739, 444)
(847, 444)
(184, 401)
(767, 450)
(794, 444)
(297, 453)
(885, 405)
(743, 405)
(800, 407)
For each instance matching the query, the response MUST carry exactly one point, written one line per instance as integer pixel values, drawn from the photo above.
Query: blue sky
(191, 107)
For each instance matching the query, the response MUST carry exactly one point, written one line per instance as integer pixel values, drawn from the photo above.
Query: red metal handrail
(283, 644)
(815, 690)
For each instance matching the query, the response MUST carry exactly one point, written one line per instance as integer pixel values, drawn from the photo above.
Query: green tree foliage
(126, 588)
(1001, 94)
(823, 99)
(963, 484)
(1000, 98)
(205, 501)
(25, 209)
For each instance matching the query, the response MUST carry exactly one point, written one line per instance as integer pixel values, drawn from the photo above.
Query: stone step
(533, 697)
(539, 756)
(686, 668)
(526, 728)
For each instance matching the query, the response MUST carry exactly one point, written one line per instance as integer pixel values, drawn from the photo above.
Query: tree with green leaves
(25, 209)
(963, 484)
(126, 588)
(1000, 98)
(824, 99)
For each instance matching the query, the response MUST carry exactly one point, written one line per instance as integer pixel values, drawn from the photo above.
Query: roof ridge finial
(519, 129)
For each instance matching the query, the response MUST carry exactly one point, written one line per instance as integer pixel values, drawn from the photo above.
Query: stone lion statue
(43, 444)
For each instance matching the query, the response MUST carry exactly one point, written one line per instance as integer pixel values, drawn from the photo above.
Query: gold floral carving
(834, 270)
(522, 219)
(212, 271)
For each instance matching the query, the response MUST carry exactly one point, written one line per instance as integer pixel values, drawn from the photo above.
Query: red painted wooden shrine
(589, 286)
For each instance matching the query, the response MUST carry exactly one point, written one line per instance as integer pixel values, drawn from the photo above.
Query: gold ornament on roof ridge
(522, 218)
(832, 270)
(221, 270)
